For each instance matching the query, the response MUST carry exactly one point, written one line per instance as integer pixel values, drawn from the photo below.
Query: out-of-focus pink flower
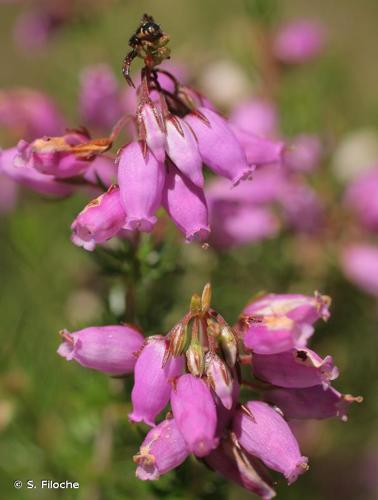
(109, 349)
(296, 368)
(100, 220)
(234, 224)
(29, 114)
(141, 181)
(302, 208)
(362, 198)
(195, 414)
(153, 381)
(263, 433)
(360, 264)
(33, 29)
(186, 205)
(236, 465)
(100, 97)
(311, 402)
(278, 323)
(257, 117)
(299, 41)
(30, 177)
(162, 450)
(219, 148)
(303, 154)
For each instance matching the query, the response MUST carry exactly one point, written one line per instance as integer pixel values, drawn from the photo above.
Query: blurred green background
(59, 421)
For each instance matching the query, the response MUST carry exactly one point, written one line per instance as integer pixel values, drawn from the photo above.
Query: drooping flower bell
(110, 349)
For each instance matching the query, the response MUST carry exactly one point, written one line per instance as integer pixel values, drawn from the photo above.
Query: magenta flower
(54, 155)
(162, 450)
(219, 148)
(101, 219)
(257, 117)
(109, 349)
(30, 177)
(195, 414)
(29, 114)
(362, 198)
(100, 98)
(235, 464)
(263, 432)
(359, 262)
(299, 41)
(153, 381)
(219, 378)
(186, 205)
(278, 323)
(141, 181)
(311, 402)
(296, 368)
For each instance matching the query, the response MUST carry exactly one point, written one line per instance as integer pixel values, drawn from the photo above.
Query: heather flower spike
(196, 369)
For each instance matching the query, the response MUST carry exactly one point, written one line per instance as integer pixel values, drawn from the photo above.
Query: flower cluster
(197, 369)
(175, 133)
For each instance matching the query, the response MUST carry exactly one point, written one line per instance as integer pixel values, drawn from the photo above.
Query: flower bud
(109, 349)
(265, 434)
(206, 298)
(229, 345)
(162, 450)
(195, 359)
(220, 378)
(194, 411)
(153, 381)
(178, 338)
